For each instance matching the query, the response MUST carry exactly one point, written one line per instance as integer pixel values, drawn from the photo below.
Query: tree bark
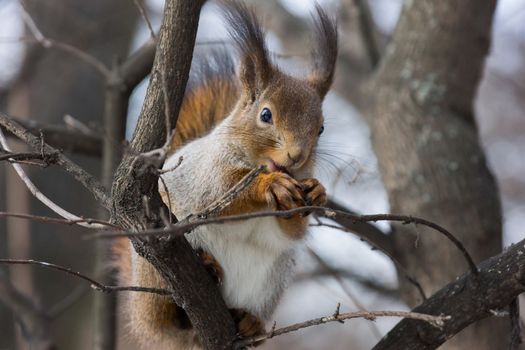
(425, 137)
(174, 258)
(466, 300)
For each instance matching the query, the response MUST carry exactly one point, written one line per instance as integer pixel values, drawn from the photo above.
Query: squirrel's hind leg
(247, 324)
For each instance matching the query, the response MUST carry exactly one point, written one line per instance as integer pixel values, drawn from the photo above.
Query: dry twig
(40, 196)
(94, 284)
(436, 321)
(49, 43)
(184, 227)
(89, 182)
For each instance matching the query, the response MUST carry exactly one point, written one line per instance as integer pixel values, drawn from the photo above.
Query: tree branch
(363, 229)
(63, 137)
(432, 321)
(51, 220)
(189, 224)
(173, 258)
(89, 182)
(94, 284)
(468, 299)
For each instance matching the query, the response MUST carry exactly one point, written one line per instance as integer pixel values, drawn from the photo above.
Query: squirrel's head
(279, 117)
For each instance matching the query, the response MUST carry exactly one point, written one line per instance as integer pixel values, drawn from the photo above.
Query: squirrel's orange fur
(235, 103)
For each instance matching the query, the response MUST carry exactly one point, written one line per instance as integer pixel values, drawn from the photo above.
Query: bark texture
(467, 300)
(174, 258)
(425, 137)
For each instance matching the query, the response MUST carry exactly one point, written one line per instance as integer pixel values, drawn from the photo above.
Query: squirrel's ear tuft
(246, 32)
(324, 55)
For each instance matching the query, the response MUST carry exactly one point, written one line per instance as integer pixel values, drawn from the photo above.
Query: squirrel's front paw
(315, 193)
(284, 192)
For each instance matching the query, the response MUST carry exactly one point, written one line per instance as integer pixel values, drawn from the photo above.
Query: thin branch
(51, 220)
(366, 28)
(144, 15)
(74, 51)
(320, 261)
(396, 262)
(225, 200)
(63, 137)
(466, 299)
(89, 182)
(368, 283)
(138, 65)
(435, 321)
(184, 226)
(94, 284)
(22, 156)
(40, 196)
(364, 230)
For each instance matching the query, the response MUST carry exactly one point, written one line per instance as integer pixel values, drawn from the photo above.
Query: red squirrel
(230, 123)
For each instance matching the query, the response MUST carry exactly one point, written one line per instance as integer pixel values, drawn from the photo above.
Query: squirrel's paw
(315, 193)
(247, 324)
(284, 192)
(211, 265)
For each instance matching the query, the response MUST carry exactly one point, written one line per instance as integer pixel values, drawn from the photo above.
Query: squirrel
(229, 123)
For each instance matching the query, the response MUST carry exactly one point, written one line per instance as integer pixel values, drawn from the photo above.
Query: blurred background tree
(416, 87)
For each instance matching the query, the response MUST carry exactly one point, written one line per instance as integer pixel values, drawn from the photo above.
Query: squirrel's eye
(321, 130)
(266, 115)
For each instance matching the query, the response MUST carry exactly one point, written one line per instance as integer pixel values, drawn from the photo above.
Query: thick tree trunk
(430, 158)
(173, 258)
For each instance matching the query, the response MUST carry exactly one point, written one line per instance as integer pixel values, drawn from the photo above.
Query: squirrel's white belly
(256, 257)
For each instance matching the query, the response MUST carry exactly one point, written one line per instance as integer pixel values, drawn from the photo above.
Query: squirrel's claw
(286, 193)
(315, 193)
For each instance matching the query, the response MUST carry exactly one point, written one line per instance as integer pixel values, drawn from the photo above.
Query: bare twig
(466, 299)
(51, 220)
(22, 156)
(435, 321)
(164, 171)
(76, 124)
(72, 50)
(138, 65)
(77, 172)
(343, 286)
(226, 199)
(364, 230)
(183, 227)
(94, 284)
(62, 137)
(41, 197)
(396, 262)
(144, 15)
(368, 283)
(366, 28)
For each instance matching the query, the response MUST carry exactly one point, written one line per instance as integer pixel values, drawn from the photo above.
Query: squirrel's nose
(296, 157)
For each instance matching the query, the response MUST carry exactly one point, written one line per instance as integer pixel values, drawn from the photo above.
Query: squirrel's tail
(154, 320)
(211, 94)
